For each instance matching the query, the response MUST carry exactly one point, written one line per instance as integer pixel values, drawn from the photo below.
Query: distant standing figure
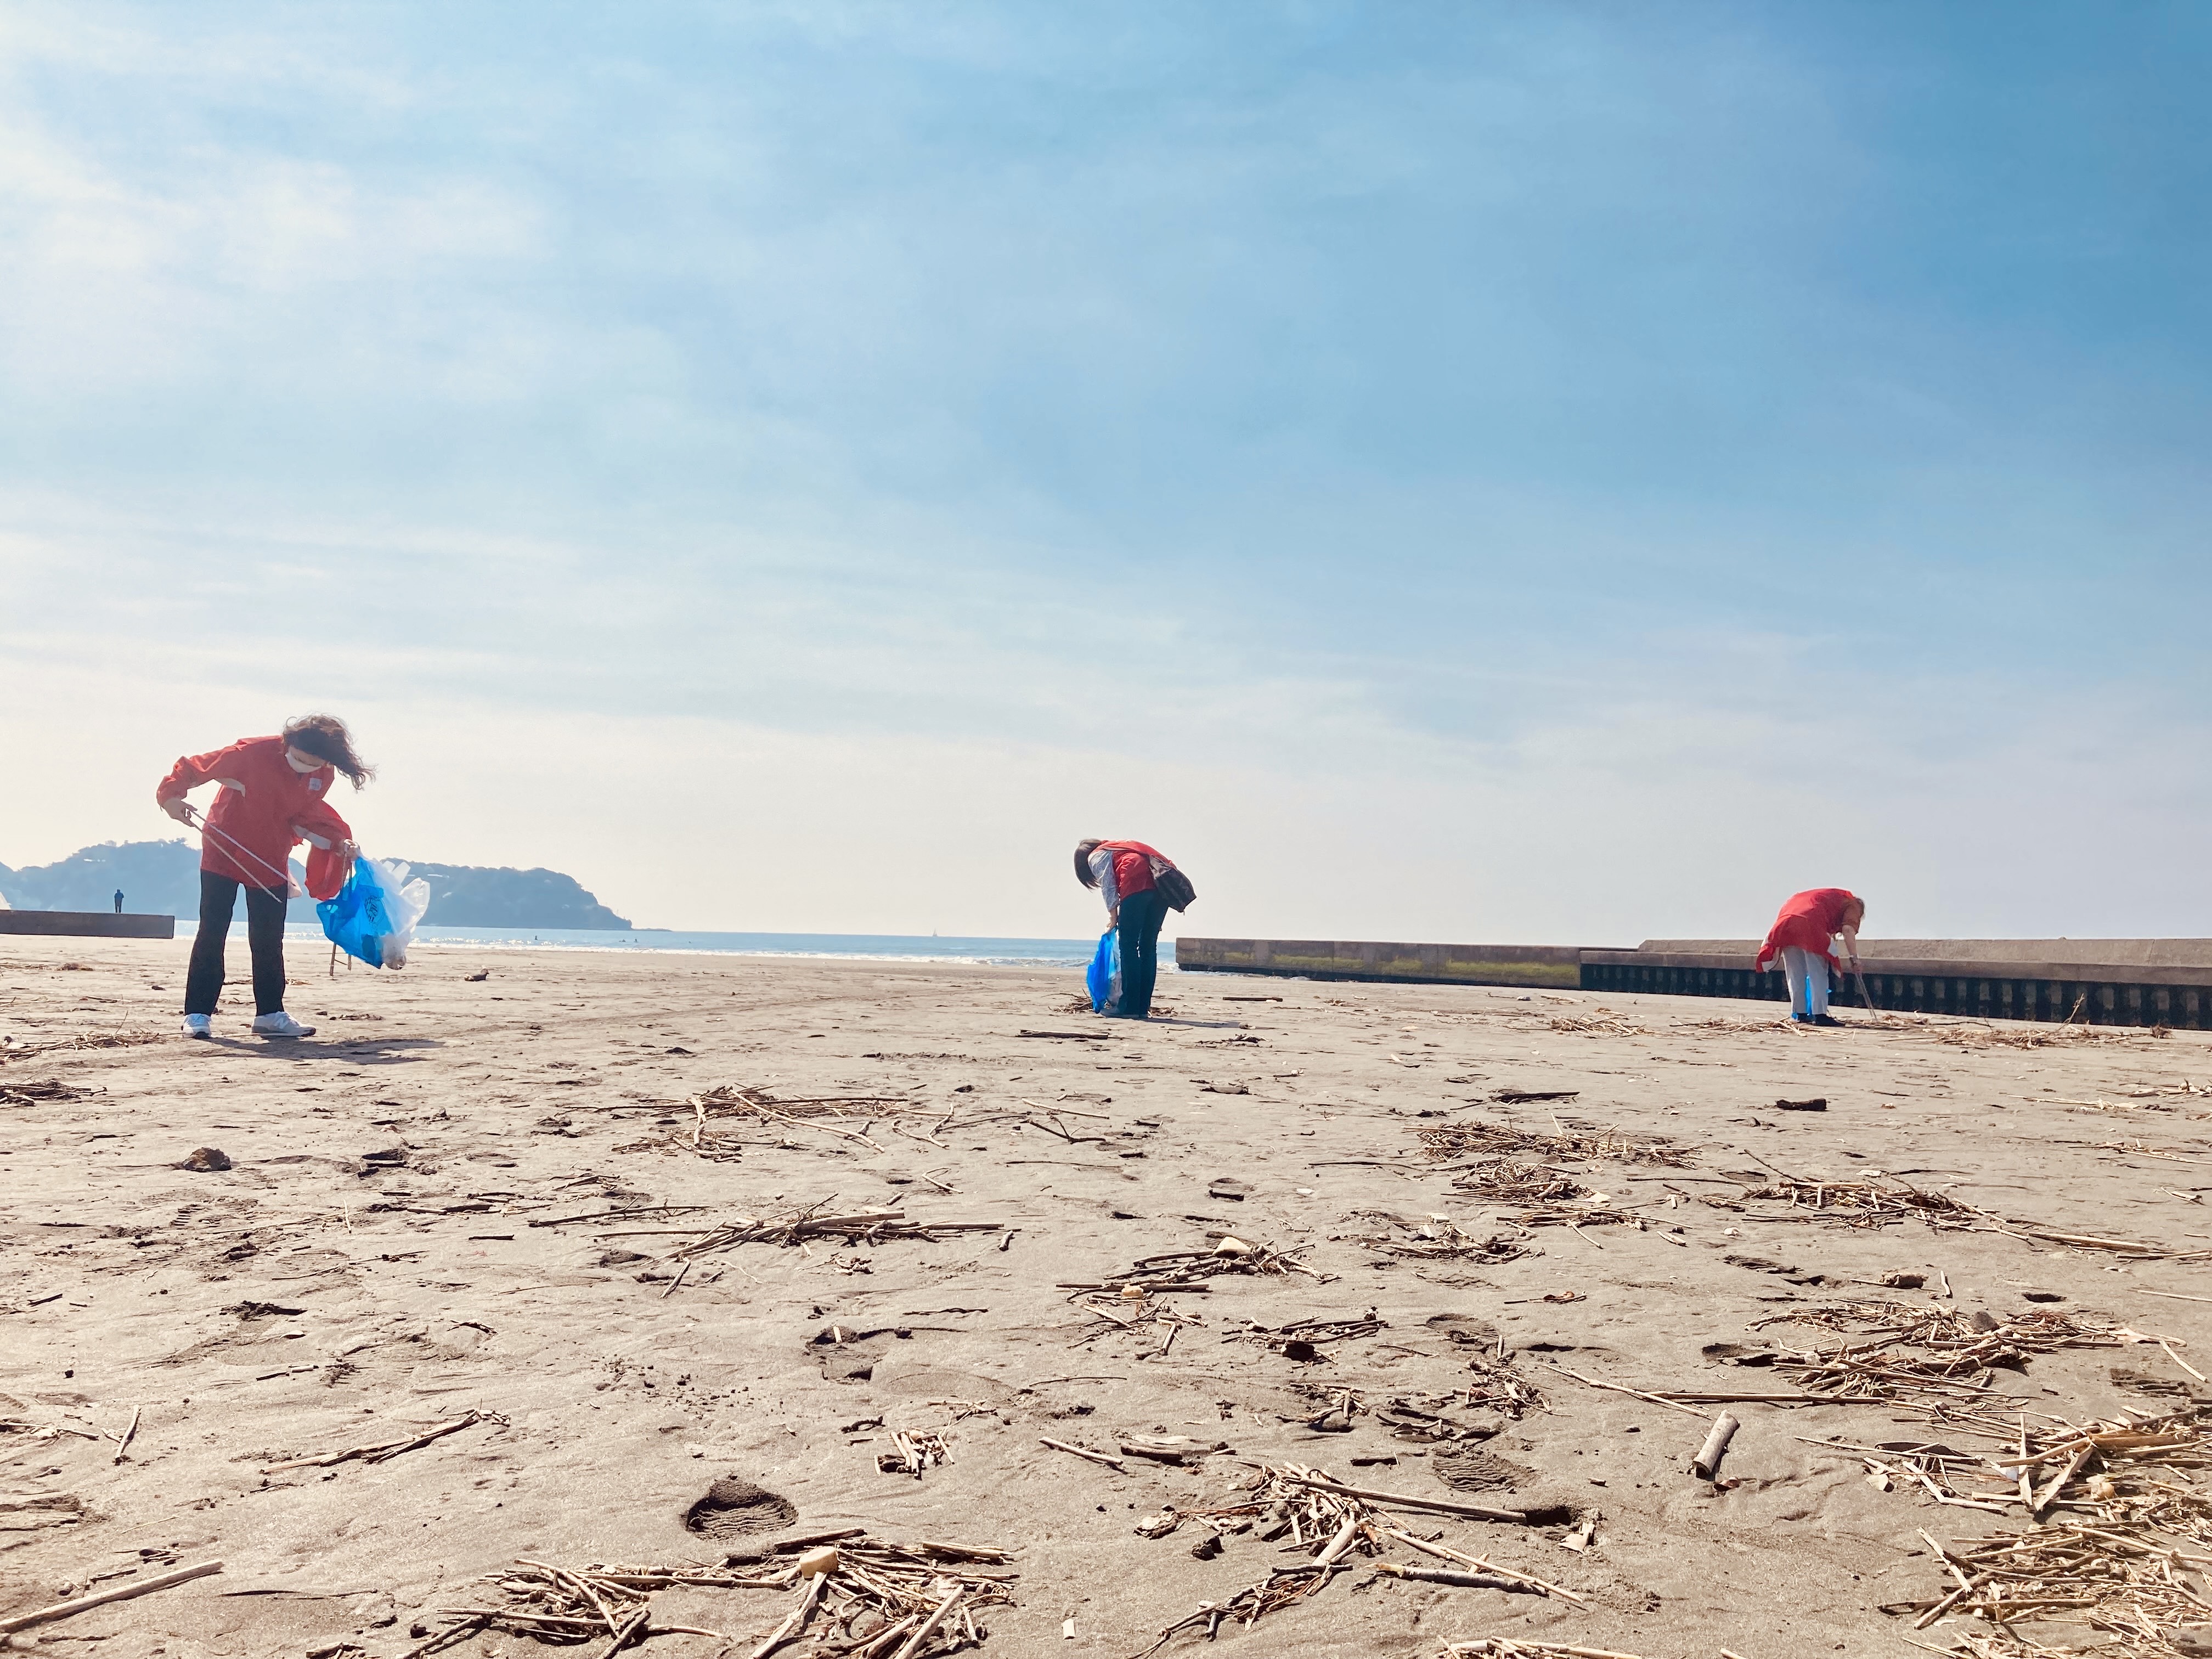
(1122, 870)
(1801, 937)
(273, 793)
(119, 901)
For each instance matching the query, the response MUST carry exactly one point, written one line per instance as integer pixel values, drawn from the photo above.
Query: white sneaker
(280, 1023)
(198, 1025)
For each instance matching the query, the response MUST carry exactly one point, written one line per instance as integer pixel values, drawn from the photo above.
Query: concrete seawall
(1557, 967)
(2096, 982)
(87, 924)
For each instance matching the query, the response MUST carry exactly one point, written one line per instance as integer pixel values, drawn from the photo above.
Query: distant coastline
(162, 878)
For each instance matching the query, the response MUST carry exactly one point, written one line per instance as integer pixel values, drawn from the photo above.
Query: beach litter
(722, 1116)
(857, 1595)
(1331, 1521)
(1437, 1238)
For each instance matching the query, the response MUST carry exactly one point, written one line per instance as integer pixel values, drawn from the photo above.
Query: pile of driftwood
(1504, 1182)
(1604, 1023)
(1865, 1203)
(1187, 1270)
(1977, 1035)
(13, 1047)
(1437, 1238)
(1958, 1353)
(1329, 1522)
(871, 1226)
(727, 1119)
(2116, 1521)
(1144, 1315)
(31, 1090)
(1480, 1139)
(858, 1597)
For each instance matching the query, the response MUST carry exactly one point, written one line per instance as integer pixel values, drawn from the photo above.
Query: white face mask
(310, 764)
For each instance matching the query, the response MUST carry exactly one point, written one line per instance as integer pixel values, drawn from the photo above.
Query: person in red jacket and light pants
(272, 794)
(1801, 937)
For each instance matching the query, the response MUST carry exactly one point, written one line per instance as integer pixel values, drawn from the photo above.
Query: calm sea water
(885, 947)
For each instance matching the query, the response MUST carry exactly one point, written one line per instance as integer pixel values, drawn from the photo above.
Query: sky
(1501, 473)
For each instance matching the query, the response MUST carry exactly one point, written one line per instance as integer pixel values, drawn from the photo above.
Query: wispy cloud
(1568, 473)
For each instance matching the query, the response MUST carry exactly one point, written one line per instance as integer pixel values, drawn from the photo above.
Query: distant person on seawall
(272, 794)
(119, 901)
(1801, 937)
(1125, 875)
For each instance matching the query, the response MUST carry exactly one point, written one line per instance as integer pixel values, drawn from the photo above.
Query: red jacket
(250, 837)
(1133, 866)
(1808, 921)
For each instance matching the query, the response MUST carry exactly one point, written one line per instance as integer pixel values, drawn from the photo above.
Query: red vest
(1808, 920)
(1132, 866)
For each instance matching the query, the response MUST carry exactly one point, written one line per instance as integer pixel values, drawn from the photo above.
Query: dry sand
(373, 1264)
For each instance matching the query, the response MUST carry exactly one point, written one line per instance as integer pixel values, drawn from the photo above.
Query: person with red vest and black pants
(1801, 936)
(1123, 872)
(273, 791)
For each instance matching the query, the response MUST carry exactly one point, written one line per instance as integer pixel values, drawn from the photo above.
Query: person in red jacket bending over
(1801, 937)
(271, 793)
(1122, 870)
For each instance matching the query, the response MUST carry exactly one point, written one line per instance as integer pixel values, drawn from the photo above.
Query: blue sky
(1568, 473)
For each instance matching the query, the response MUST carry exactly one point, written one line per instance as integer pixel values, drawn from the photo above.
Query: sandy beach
(470, 1200)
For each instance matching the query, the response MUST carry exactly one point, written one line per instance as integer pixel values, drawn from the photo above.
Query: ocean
(1072, 953)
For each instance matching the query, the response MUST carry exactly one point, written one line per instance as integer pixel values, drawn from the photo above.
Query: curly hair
(325, 738)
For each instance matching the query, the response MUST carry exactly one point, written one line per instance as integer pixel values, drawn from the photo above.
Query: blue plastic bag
(1104, 976)
(373, 917)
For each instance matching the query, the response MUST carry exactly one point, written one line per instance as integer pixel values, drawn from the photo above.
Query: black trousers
(265, 935)
(1138, 926)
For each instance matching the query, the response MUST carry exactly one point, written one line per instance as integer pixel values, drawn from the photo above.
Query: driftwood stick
(1461, 1579)
(1341, 1542)
(1483, 1563)
(1622, 1388)
(120, 1593)
(625, 1632)
(913, 1643)
(376, 1454)
(1112, 1463)
(1473, 1512)
(790, 1626)
(130, 1433)
(1707, 1463)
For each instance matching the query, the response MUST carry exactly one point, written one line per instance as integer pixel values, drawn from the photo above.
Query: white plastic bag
(406, 902)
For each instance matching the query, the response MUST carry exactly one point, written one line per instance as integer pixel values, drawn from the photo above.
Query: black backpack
(1174, 886)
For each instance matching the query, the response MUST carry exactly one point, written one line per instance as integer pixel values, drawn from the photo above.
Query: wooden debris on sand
(12, 1048)
(1977, 1035)
(1181, 1269)
(1958, 1352)
(858, 1595)
(1499, 1647)
(913, 1451)
(2115, 1523)
(1867, 1203)
(1331, 1521)
(30, 1092)
(1302, 1338)
(377, 1452)
(1477, 1138)
(728, 1118)
(1437, 1238)
(1143, 1313)
(1504, 1182)
(1603, 1023)
(858, 1226)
